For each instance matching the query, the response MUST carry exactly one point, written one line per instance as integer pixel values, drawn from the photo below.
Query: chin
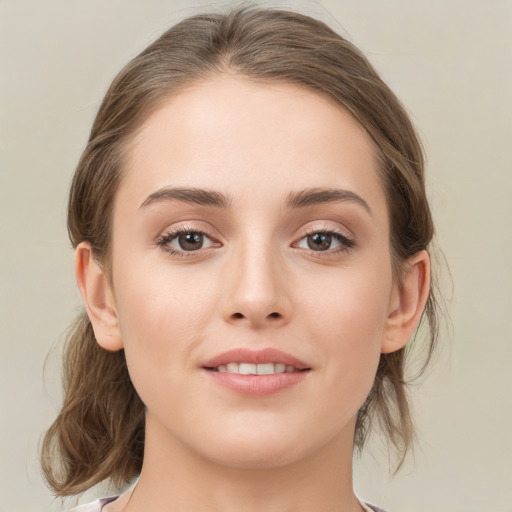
(258, 448)
(255, 458)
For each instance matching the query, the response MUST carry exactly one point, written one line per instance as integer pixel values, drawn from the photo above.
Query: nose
(257, 294)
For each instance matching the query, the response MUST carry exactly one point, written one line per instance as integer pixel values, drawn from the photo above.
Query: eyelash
(165, 239)
(346, 243)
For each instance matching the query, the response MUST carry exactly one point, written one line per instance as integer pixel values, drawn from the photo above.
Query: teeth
(247, 369)
(266, 369)
(255, 369)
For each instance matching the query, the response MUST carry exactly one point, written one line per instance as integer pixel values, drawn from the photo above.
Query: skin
(255, 283)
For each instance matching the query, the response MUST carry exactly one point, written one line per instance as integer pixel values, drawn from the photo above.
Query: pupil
(319, 241)
(191, 241)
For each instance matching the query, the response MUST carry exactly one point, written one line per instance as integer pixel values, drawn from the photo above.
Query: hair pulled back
(99, 432)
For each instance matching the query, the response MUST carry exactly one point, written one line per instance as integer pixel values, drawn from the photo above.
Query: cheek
(351, 305)
(162, 315)
(348, 323)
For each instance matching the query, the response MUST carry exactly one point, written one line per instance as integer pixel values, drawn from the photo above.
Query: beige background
(450, 62)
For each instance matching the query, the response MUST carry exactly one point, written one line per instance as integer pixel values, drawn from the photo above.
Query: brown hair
(99, 432)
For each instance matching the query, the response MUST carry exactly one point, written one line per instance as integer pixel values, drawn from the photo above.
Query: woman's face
(250, 234)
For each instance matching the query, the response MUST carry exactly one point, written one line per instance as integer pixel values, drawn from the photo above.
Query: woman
(251, 234)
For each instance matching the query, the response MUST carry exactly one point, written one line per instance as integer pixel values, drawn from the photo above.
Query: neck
(176, 478)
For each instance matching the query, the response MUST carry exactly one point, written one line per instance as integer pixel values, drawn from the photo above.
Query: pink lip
(256, 385)
(244, 355)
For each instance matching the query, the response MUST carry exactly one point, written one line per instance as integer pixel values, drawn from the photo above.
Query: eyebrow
(314, 196)
(200, 196)
(299, 199)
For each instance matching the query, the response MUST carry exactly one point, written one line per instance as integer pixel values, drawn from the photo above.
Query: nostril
(270, 316)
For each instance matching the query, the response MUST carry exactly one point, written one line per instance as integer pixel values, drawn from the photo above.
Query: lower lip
(257, 385)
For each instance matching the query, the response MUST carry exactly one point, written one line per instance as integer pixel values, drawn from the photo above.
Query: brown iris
(191, 241)
(319, 241)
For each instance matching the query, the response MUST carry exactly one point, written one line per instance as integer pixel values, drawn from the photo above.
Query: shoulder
(94, 506)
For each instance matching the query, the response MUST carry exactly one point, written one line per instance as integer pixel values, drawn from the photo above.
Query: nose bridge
(258, 293)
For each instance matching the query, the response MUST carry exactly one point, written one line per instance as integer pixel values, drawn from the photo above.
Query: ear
(407, 303)
(98, 298)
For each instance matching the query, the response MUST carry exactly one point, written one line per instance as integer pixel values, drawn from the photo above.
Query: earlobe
(97, 295)
(407, 303)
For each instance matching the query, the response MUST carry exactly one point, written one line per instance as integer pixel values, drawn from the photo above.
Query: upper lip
(244, 355)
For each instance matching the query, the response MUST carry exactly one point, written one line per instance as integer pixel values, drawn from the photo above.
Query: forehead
(251, 140)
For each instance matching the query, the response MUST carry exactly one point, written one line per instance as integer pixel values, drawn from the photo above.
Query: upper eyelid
(322, 228)
(173, 233)
(184, 227)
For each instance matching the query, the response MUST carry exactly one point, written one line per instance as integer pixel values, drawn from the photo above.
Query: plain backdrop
(449, 61)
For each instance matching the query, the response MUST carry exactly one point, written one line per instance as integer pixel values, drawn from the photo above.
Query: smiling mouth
(256, 373)
(256, 369)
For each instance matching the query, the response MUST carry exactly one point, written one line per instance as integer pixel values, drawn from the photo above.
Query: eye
(185, 240)
(322, 241)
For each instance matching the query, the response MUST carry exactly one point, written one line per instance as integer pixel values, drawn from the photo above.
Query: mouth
(244, 361)
(256, 369)
(256, 373)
